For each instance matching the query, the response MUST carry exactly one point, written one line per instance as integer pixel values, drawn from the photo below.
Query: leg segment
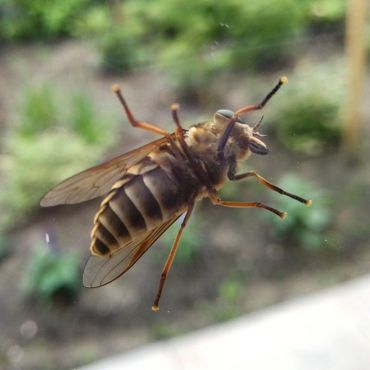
(261, 104)
(171, 257)
(219, 202)
(263, 181)
(179, 128)
(135, 123)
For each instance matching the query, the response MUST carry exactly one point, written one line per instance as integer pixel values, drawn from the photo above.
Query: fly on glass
(147, 189)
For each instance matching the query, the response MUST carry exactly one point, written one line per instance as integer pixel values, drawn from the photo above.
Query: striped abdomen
(147, 195)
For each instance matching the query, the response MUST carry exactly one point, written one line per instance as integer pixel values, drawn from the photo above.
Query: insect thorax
(203, 140)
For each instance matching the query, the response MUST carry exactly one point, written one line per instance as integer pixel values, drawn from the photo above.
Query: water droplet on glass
(28, 329)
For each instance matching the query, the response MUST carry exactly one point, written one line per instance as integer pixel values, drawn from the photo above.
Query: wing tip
(88, 280)
(44, 202)
(48, 202)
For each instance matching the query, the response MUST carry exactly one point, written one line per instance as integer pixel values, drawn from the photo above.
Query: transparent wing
(98, 180)
(100, 271)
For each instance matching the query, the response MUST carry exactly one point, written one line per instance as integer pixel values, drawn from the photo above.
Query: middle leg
(234, 177)
(225, 203)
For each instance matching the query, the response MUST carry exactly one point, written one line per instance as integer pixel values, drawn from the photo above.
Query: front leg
(233, 176)
(133, 121)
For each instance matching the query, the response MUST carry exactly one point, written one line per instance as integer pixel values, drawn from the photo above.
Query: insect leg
(171, 256)
(247, 108)
(180, 133)
(234, 177)
(260, 105)
(225, 203)
(134, 122)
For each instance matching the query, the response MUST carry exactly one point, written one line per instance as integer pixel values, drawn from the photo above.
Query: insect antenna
(256, 126)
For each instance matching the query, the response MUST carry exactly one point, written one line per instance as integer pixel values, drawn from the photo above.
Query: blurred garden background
(58, 115)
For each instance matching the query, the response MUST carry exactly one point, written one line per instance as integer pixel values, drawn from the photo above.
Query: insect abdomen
(143, 201)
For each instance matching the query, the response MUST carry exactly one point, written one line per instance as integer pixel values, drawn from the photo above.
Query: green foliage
(34, 165)
(42, 151)
(231, 289)
(116, 39)
(309, 119)
(310, 124)
(229, 292)
(161, 331)
(38, 111)
(85, 122)
(326, 12)
(39, 19)
(305, 226)
(192, 41)
(225, 313)
(52, 273)
(222, 311)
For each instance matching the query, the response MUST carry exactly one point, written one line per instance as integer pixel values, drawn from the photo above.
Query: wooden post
(356, 56)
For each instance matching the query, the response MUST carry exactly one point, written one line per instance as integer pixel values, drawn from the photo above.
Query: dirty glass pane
(59, 116)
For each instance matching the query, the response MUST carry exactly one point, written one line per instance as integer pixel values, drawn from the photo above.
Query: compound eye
(258, 147)
(226, 113)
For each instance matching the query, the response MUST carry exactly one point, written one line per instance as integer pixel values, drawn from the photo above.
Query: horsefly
(147, 189)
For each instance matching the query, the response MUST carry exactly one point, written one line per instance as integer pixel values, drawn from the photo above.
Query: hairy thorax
(203, 140)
